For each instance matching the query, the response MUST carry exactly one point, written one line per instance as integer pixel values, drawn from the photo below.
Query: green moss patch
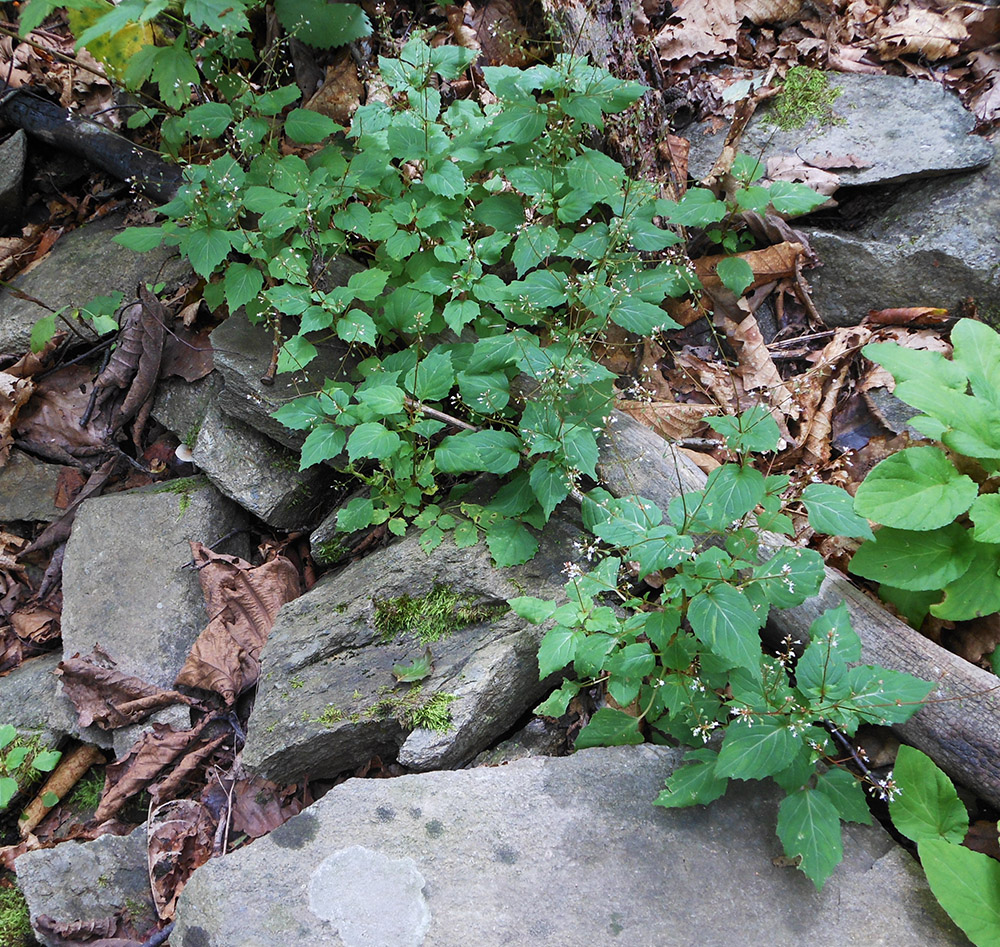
(15, 924)
(805, 94)
(433, 616)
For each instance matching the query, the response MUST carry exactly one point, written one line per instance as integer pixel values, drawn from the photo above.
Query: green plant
(927, 810)
(805, 94)
(938, 546)
(22, 762)
(87, 793)
(686, 661)
(15, 921)
(497, 224)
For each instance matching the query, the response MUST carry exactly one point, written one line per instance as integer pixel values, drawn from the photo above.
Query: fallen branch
(85, 138)
(66, 775)
(958, 727)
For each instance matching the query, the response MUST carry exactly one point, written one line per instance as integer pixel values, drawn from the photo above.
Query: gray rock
(28, 489)
(242, 353)
(879, 117)
(31, 699)
(938, 245)
(260, 475)
(326, 701)
(180, 406)
(177, 716)
(81, 881)
(13, 153)
(83, 264)
(540, 736)
(125, 581)
(552, 853)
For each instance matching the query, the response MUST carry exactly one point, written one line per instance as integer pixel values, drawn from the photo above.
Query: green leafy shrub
(21, 763)
(689, 658)
(938, 546)
(928, 811)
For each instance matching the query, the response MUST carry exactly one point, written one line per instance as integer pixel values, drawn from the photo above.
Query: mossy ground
(15, 925)
(433, 616)
(805, 94)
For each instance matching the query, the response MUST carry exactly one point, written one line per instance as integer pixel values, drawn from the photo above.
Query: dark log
(959, 726)
(83, 137)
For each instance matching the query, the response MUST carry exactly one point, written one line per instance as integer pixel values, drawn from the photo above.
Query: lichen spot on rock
(372, 900)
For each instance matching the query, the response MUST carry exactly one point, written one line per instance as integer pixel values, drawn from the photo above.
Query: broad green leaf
(821, 673)
(609, 728)
(42, 331)
(985, 515)
(300, 414)
(8, 789)
(518, 124)
(140, 239)
(532, 246)
(503, 212)
(510, 543)
(321, 24)
(736, 274)
(735, 490)
(557, 650)
(209, 120)
(309, 127)
(549, 483)
(295, 354)
(845, 792)
(485, 394)
(793, 199)
(754, 430)
(831, 511)
(358, 514)
(372, 439)
(724, 620)
(492, 451)
(206, 248)
(917, 488)
(595, 173)
(913, 606)
(432, 378)
(965, 884)
(386, 400)
(927, 805)
(591, 654)
(834, 627)
(914, 560)
(242, 283)
(543, 287)
(924, 368)
(408, 673)
(16, 757)
(883, 696)
(975, 593)
(357, 326)
(790, 577)
(977, 350)
(809, 826)
(46, 761)
(175, 73)
(697, 208)
(534, 610)
(460, 312)
(694, 783)
(640, 317)
(8, 733)
(466, 534)
(323, 443)
(556, 703)
(755, 751)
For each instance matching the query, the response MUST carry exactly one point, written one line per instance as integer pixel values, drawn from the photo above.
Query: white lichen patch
(372, 900)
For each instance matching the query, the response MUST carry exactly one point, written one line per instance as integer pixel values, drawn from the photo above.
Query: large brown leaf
(243, 602)
(107, 697)
(14, 394)
(180, 834)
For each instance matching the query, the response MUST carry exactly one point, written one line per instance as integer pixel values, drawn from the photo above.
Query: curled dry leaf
(769, 264)
(51, 420)
(698, 31)
(36, 623)
(672, 421)
(914, 316)
(14, 393)
(243, 601)
(341, 92)
(924, 32)
(793, 168)
(767, 11)
(187, 354)
(180, 834)
(258, 806)
(107, 698)
(757, 368)
(153, 753)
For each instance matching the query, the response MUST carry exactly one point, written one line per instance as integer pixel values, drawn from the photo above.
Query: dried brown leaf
(341, 93)
(914, 316)
(258, 806)
(924, 32)
(51, 419)
(769, 264)
(672, 421)
(187, 354)
(107, 697)
(697, 31)
(36, 623)
(180, 834)
(767, 11)
(154, 752)
(757, 368)
(793, 168)
(14, 394)
(243, 601)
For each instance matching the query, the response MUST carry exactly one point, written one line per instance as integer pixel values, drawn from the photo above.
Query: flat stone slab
(81, 881)
(126, 584)
(13, 153)
(81, 265)
(328, 697)
(898, 128)
(261, 475)
(550, 852)
(28, 489)
(937, 245)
